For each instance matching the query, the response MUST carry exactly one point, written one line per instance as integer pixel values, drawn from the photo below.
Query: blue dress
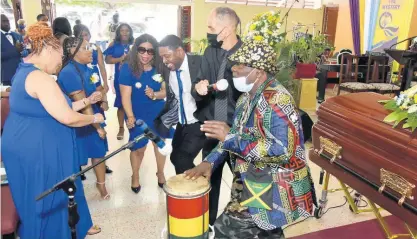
(117, 50)
(143, 108)
(39, 152)
(89, 142)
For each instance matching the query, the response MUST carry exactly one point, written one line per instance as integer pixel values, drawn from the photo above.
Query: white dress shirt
(9, 36)
(189, 103)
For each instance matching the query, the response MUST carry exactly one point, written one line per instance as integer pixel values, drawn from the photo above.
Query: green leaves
(411, 122)
(391, 105)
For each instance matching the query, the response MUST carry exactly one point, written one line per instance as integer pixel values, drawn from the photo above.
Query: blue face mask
(21, 27)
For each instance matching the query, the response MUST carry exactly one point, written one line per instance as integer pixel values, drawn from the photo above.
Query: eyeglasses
(142, 50)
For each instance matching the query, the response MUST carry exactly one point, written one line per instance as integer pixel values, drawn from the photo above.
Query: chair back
(375, 64)
(349, 69)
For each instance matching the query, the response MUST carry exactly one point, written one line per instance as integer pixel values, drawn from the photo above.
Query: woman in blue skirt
(78, 81)
(115, 54)
(98, 68)
(143, 93)
(38, 143)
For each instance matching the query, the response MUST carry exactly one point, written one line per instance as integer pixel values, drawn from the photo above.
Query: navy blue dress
(38, 152)
(143, 108)
(117, 50)
(89, 142)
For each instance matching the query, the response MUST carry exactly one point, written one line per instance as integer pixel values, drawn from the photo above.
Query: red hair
(40, 35)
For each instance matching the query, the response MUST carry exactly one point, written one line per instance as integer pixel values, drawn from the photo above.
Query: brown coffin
(355, 123)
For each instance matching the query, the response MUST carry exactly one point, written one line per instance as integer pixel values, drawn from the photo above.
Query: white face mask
(241, 85)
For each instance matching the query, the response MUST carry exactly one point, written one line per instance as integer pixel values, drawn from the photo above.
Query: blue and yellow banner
(389, 23)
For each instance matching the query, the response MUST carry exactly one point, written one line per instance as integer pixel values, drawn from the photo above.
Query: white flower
(138, 85)
(158, 78)
(412, 109)
(94, 78)
(256, 57)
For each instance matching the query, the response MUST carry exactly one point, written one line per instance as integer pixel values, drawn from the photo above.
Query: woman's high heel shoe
(136, 189)
(161, 185)
(107, 196)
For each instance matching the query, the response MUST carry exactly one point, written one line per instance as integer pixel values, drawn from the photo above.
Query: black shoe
(108, 170)
(83, 177)
(136, 189)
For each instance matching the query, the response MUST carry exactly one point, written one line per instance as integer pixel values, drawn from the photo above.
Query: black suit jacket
(168, 117)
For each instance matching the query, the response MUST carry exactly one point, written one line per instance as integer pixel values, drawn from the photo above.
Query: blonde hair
(21, 21)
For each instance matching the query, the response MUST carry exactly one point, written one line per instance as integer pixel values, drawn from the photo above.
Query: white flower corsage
(94, 78)
(138, 85)
(158, 78)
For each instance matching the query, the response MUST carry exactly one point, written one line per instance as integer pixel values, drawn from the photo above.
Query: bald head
(5, 24)
(221, 27)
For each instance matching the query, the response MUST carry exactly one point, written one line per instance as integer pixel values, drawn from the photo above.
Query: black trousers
(230, 227)
(215, 180)
(187, 142)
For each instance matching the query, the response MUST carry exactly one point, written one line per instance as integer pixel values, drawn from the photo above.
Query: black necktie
(220, 110)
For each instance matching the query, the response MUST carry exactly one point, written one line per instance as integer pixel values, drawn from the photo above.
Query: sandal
(107, 196)
(121, 133)
(94, 230)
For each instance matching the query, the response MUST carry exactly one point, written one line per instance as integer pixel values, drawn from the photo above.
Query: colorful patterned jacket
(272, 137)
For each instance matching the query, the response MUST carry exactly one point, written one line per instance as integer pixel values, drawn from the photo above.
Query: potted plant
(308, 51)
(201, 44)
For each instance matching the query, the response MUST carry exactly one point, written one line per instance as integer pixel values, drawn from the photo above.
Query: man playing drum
(272, 186)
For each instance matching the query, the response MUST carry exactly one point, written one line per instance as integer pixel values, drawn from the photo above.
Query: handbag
(257, 188)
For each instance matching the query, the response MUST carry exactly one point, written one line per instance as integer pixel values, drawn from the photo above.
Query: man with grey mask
(217, 105)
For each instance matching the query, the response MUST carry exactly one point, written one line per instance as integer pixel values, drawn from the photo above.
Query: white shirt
(189, 103)
(9, 36)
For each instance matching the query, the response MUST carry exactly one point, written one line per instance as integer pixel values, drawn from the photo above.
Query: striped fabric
(188, 218)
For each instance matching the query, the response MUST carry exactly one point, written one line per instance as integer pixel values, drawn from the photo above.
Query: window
(274, 3)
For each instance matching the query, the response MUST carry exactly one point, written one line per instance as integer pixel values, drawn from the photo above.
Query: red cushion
(4, 110)
(9, 217)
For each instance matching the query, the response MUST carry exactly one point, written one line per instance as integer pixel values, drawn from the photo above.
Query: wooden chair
(348, 76)
(373, 77)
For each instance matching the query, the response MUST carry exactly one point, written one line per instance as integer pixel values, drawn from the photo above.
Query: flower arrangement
(404, 107)
(158, 78)
(265, 27)
(94, 78)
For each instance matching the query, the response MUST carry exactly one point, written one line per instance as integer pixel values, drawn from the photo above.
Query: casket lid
(360, 115)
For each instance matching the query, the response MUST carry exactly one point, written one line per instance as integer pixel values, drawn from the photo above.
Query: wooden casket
(352, 143)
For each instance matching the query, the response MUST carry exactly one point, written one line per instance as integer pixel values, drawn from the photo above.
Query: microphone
(164, 149)
(410, 38)
(220, 85)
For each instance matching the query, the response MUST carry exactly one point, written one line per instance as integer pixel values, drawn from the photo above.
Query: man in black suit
(220, 106)
(180, 105)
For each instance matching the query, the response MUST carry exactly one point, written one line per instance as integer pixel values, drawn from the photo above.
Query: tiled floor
(128, 215)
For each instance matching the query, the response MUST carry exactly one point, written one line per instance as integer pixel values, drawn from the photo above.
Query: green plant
(201, 45)
(286, 68)
(308, 49)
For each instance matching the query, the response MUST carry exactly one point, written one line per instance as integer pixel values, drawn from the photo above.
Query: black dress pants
(215, 180)
(187, 142)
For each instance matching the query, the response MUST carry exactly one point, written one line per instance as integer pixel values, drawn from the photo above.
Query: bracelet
(95, 119)
(154, 96)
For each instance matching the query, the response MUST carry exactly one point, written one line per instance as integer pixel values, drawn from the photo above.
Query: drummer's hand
(215, 129)
(203, 169)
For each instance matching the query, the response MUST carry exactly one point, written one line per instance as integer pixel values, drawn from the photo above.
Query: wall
(413, 26)
(344, 27)
(30, 10)
(201, 10)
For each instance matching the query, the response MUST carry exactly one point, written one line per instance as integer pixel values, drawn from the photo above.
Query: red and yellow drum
(187, 207)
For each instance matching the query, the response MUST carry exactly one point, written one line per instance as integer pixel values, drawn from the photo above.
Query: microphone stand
(68, 186)
(286, 17)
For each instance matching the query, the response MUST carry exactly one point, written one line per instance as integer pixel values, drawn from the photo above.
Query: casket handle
(330, 147)
(398, 184)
